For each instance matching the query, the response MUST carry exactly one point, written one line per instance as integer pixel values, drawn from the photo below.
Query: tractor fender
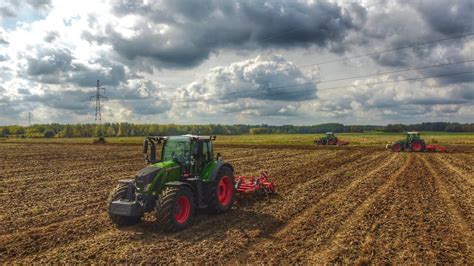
(179, 184)
(218, 166)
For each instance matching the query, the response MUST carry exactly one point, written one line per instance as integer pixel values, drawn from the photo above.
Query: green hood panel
(169, 171)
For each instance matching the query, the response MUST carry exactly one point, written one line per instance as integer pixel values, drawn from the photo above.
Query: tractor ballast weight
(413, 142)
(330, 139)
(185, 178)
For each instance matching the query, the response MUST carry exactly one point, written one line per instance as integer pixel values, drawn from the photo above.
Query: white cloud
(51, 56)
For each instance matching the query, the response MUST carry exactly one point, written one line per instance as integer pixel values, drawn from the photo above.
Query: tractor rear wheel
(417, 146)
(320, 142)
(222, 191)
(397, 147)
(175, 208)
(120, 192)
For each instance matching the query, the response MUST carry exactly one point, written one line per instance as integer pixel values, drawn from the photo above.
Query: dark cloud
(55, 65)
(9, 7)
(51, 36)
(6, 12)
(49, 61)
(67, 99)
(436, 101)
(447, 17)
(183, 33)
(4, 57)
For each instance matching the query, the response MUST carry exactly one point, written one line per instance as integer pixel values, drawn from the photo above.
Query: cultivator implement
(253, 184)
(431, 147)
(342, 143)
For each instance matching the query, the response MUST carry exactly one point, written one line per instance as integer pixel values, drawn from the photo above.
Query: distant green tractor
(187, 177)
(330, 139)
(413, 142)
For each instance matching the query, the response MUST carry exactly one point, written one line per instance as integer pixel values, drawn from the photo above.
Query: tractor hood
(153, 173)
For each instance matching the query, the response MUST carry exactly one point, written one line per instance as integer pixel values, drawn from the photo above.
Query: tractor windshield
(176, 147)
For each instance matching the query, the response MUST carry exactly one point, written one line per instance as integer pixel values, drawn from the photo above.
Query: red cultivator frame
(431, 147)
(253, 184)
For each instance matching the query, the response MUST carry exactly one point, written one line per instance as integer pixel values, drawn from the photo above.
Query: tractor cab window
(180, 147)
(205, 151)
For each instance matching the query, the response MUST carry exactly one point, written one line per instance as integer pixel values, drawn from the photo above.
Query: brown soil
(334, 205)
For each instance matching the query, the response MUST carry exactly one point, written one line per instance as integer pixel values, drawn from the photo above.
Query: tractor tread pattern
(120, 192)
(165, 205)
(214, 205)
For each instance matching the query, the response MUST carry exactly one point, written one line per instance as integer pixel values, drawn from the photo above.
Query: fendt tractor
(413, 142)
(330, 139)
(187, 177)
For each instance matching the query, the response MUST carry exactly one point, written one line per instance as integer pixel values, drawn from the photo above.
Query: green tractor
(330, 139)
(186, 177)
(412, 142)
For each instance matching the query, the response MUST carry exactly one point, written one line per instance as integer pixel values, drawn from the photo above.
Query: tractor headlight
(145, 176)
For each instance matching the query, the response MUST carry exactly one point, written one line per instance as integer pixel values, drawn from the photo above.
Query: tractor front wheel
(222, 191)
(397, 147)
(175, 208)
(120, 192)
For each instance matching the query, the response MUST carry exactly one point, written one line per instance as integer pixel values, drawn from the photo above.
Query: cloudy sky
(241, 61)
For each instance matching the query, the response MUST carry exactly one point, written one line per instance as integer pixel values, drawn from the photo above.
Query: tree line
(130, 129)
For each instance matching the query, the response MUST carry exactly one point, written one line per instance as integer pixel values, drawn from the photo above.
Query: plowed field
(334, 205)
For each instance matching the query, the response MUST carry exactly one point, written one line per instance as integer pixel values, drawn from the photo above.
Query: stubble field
(334, 205)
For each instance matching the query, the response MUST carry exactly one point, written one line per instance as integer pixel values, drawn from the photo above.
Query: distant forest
(129, 129)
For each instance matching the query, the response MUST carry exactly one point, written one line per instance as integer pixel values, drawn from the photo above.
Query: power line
(364, 55)
(351, 86)
(354, 57)
(320, 89)
(356, 77)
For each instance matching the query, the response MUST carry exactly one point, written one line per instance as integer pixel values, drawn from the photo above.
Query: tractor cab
(331, 136)
(411, 136)
(192, 153)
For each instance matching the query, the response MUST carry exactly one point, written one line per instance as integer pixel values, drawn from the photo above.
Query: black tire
(120, 192)
(166, 207)
(214, 205)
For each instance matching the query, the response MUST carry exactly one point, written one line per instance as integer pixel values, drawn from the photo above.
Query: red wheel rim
(331, 142)
(182, 209)
(225, 191)
(416, 146)
(397, 147)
